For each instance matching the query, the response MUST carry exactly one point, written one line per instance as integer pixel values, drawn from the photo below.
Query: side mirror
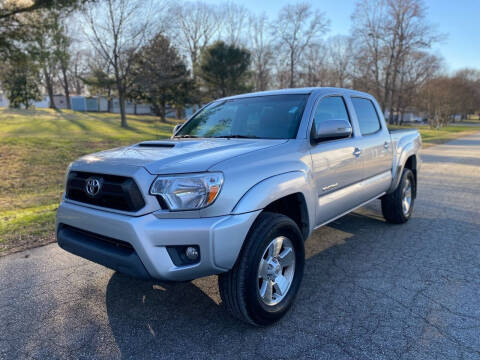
(176, 128)
(332, 129)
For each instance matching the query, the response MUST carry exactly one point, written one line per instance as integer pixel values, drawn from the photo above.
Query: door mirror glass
(332, 129)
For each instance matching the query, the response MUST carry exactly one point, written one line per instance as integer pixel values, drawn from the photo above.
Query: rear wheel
(262, 285)
(397, 206)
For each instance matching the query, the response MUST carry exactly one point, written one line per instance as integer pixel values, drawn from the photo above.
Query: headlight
(189, 191)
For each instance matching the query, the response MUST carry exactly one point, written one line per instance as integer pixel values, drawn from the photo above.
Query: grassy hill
(36, 146)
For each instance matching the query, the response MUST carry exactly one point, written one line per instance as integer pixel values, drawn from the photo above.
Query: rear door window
(367, 116)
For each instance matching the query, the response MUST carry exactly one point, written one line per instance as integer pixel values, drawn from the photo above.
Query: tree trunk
(121, 100)
(109, 99)
(180, 111)
(193, 57)
(163, 106)
(25, 97)
(392, 108)
(66, 87)
(121, 93)
(292, 71)
(49, 86)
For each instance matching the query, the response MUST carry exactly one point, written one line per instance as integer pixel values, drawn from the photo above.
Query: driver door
(336, 165)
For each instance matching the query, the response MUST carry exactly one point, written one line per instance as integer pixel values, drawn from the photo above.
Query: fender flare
(276, 187)
(404, 151)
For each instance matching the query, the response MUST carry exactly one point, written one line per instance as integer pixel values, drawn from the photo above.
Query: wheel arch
(288, 194)
(408, 158)
(411, 164)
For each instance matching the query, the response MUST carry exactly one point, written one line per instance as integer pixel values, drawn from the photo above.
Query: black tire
(239, 287)
(392, 207)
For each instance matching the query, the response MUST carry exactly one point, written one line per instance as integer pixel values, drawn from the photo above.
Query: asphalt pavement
(371, 291)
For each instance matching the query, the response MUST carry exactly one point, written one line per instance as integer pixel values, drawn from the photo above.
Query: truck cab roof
(304, 90)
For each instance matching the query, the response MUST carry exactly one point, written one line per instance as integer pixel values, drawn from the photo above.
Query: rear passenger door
(375, 147)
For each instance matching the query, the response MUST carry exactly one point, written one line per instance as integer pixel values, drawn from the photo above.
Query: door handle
(357, 152)
(386, 144)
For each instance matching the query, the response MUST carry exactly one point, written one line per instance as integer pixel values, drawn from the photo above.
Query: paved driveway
(371, 291)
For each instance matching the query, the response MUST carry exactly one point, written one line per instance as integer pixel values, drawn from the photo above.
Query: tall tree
(261, 51)
(296, 27)
(193, 26)
(417, 69)
(340, 55)
(387, 31)
(224, 68)
(100, 83)
(116, 30)
(79, 68)
(49, 47)
(159, 75)
(468, 87)
(62, 43)
(234, 23)
(437, 98)
(20, 77)
(15, 22)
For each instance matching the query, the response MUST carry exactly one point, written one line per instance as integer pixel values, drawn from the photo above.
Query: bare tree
(44, 48)
(234, 23)
(116, 30)
(468, 91)
(438, 98)
(78, 68)
(340, 57)
(387, 31)
(97, 75)
(417, 69)
(261, 51)
(67, 53)
(193, 26)
(296, 27)
(315, 69)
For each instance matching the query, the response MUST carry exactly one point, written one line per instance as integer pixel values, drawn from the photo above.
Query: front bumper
(220, 240)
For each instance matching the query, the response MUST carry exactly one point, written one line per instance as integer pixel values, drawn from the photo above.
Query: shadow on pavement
(177, 317)
(369, 288)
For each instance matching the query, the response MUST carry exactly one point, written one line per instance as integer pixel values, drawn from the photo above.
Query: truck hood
(179, 155)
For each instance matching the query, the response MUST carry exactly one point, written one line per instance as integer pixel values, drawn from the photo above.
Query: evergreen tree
(224, 69)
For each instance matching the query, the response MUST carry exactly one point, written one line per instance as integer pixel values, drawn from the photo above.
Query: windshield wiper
(186, 136)
(237, 137)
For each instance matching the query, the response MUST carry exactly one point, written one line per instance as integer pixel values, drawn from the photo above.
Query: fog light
(191, 253)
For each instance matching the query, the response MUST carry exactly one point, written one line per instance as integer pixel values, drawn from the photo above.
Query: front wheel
(262, 285)
(397, 207)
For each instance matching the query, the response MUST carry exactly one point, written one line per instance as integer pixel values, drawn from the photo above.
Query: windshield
(266, 117)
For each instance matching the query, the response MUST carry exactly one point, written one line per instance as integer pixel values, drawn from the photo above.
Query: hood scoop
(156, 144)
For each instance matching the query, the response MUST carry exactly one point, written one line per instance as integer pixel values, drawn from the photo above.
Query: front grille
(116, 192)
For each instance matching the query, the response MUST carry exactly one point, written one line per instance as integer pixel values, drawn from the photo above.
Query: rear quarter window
(367, 116)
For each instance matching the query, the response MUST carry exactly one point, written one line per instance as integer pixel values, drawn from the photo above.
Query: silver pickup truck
(237, 190)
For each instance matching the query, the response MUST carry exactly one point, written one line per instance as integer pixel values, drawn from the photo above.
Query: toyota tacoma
(237, 190)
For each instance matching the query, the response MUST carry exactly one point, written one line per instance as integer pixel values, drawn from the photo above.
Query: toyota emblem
(93, 186)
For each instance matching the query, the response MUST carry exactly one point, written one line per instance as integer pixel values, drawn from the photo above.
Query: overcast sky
(460, 19)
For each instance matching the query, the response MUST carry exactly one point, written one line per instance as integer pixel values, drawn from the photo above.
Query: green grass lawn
(37, 145)
(433, 136)
(35, 148)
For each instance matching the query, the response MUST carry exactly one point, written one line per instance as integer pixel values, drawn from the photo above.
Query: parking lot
(371, 291)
